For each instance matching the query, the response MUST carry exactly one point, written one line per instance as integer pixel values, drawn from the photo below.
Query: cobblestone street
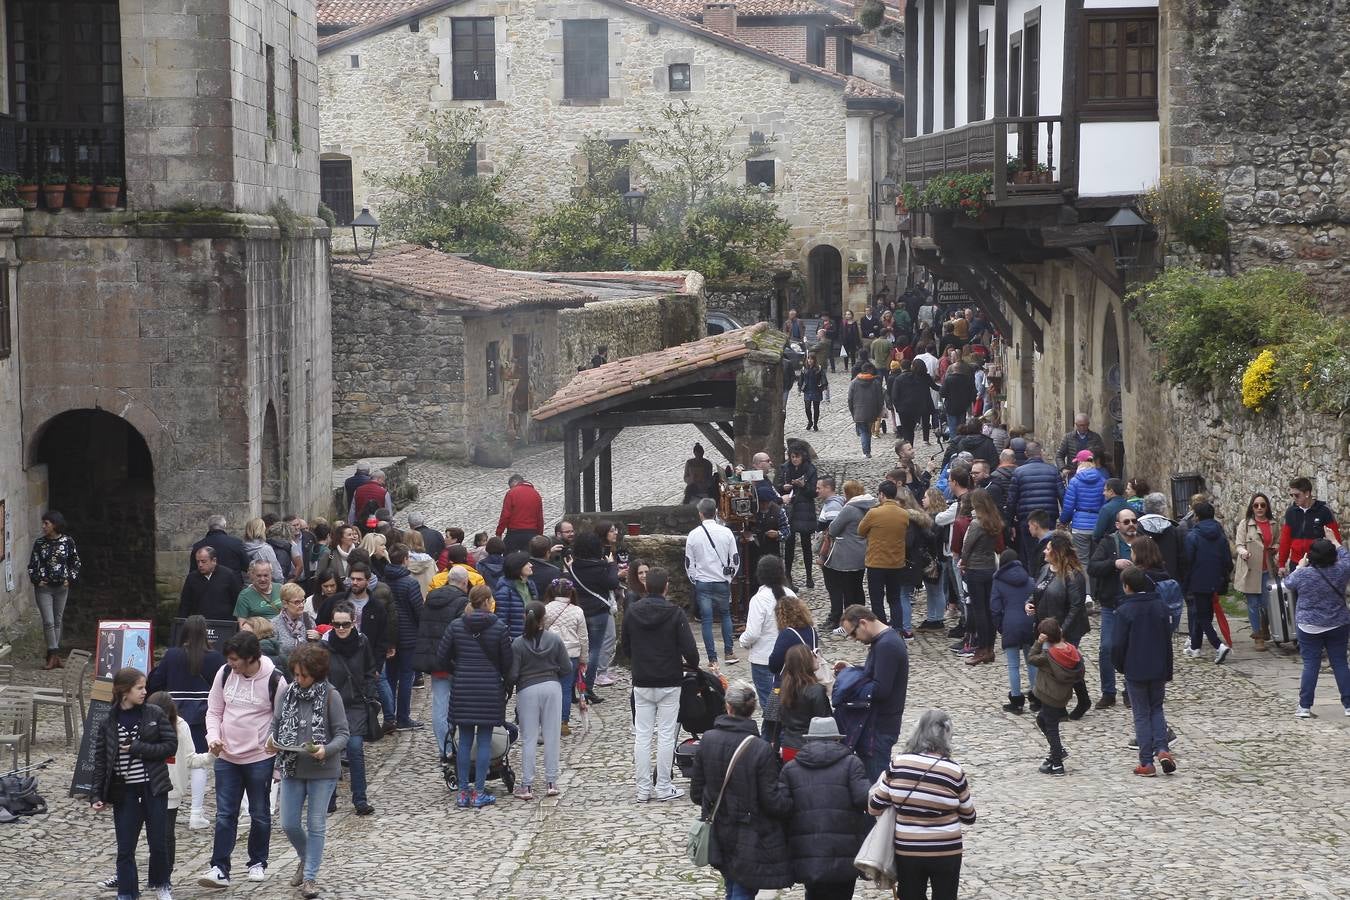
(1258, 809)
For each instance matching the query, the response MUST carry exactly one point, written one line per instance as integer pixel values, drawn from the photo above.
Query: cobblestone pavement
(1258, 809)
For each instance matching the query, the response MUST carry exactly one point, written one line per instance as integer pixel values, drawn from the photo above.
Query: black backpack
(272, 681)
(19, 797)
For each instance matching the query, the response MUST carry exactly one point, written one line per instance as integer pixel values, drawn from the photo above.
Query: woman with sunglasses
(564, 618)
(1256, 539)
(351, 671)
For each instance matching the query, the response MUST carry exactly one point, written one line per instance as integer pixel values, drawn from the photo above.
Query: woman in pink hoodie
(238, 721)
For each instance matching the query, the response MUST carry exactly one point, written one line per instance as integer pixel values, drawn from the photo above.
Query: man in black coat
(212, 590)
(958, 394)
(544, 571)
(433, 539)
(1110, 557)
(229, 549)
(656, 636)
(407, 595)
(360, 477)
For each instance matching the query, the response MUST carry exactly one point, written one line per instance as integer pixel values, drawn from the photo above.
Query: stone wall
(746, 306)
(628, 327)
(1255, 97)
(19, 520)
(398, 373)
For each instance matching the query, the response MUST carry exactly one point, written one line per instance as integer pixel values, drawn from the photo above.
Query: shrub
(871, 14)
(1187, 208)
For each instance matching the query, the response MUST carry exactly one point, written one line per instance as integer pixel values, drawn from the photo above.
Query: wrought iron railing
(68, 148)
(9, 148)
(986, 146)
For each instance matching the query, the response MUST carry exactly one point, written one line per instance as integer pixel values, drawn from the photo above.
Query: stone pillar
(759, 406)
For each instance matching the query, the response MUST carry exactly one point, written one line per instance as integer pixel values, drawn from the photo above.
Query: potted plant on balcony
(1043, 175)
(28, 191)
(54, 190)
(1015, 173)
(107, 192)
(81, 191)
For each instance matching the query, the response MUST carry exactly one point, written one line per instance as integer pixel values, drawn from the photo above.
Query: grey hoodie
(536, 661)
(849, 550)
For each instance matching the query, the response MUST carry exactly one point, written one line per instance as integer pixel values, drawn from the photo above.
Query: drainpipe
(872, 204)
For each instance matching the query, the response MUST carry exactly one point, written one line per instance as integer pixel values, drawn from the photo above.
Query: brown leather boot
(51, 662)
(60, 663)
(1258, 643)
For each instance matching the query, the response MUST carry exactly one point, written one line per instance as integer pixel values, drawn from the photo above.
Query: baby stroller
(503, 736)
(703, 698)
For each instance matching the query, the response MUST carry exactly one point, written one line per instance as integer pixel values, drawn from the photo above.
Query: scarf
(288, 724)
(348, 646)
(297, 628)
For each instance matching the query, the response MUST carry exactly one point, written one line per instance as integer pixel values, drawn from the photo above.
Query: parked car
(718, 322)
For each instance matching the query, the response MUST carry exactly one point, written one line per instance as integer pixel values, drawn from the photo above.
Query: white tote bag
(876, 857)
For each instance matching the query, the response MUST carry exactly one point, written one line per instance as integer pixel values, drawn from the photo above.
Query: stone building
(546, 74)
(437, 356)
(169, 359)
(1078, 92)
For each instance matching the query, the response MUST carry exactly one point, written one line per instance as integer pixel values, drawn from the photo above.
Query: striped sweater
(931, 800)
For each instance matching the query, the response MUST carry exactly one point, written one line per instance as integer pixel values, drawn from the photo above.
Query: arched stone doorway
(100, 476)
(273, 487)
(1113, 428)
(889, 269)
(825, 294)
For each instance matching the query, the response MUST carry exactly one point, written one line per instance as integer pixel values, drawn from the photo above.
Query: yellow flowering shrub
(1258, 381)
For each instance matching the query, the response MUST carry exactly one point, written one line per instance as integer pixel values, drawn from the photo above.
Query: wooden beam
(716, 438)
(1107, 276)
(1023, 290)
(728, 428)
(588, 471)
(571, 469)
(928, 76)
(911, 68)
(606, 478)
(1068, 104)
(1061, 237)
(949, 64)
(607, 436)
(1000, 40)
(657, 417)
(1015, 303)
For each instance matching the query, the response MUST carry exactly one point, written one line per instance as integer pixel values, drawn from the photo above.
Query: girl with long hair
(564, 617)
(1061, 594)
(979, 561)
(801, 698)
(539, 661)
(761, 624)
(186, 672)
(130, 773)
(1257, 540)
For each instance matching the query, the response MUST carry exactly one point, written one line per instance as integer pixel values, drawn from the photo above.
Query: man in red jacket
(522, 514)
(1306, 520)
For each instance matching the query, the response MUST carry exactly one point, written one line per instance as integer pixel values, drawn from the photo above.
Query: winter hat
(823, 728)
(1083, 456)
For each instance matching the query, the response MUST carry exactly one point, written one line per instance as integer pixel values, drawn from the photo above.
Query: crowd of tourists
(514, 634)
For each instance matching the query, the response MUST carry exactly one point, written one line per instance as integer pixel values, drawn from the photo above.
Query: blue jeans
(386, 692)
(356, 765)
(1311, 647)
(1012, 654)
(482, 755)
(887, 593)
(1150, 728)
(595, 634)
(876, 762)
(307, 839)
(864, 430)
(232, 781)
(714, 599)
(400, 674)
(953, 423)
(762, 677)
(440, 711)
(569, 684)
(1106, 632)
(936, 592)
(738, 891)
(136, 807)
(1256, 606)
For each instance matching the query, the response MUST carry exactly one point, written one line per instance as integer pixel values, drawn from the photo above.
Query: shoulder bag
(824, 670)
(374, 709)
(876, 858)
(700, 833)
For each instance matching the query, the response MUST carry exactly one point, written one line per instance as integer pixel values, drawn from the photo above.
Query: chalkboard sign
(82, 784)
(218, 631)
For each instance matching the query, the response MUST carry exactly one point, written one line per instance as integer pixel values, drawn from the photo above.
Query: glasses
(1128, 521)
(343, 625)
(1259, 504)
(850, 632)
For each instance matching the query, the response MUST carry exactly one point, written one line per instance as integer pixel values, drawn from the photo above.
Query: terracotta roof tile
(458, 283)
(862, 89)
(590, 386)
(694, 8)
(350, 13)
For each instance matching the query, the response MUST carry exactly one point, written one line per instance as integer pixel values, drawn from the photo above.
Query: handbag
(824, 670)
(374, 709)
(700, 833)
(876, 857)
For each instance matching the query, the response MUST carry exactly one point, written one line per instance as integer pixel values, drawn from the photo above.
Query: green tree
(589, 232)
(445, 204)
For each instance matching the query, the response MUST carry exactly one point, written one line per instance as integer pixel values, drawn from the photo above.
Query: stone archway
(273, 483)
(100, 476)
(825, 279)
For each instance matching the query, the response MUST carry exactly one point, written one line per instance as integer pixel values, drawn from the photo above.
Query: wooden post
(571, 471)
(606, 478)
(1000, 99)
(587, 474)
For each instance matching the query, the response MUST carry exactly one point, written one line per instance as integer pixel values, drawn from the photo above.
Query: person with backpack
(238, 717)
(130, 751)
(1061, 674)
(187, 672)
(1148, 557)
(886, 672)
(1142, 651)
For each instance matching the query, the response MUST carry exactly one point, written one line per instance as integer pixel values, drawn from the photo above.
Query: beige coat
(567, 621)
(1247, 572)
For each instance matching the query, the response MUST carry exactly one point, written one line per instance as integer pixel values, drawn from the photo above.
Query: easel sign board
(122, 644)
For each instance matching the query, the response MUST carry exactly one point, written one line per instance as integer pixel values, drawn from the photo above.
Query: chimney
(720, 17)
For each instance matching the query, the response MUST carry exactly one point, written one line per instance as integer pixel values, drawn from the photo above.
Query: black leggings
(844, 588)
(913, 874)
(791, 547)
(812, 411)
(1047, 720)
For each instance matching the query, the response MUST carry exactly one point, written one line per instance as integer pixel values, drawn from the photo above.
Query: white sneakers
(163, 893)
(1222, 653)
(257, 872)
(214, 878)
(1189, 653)
(1305, 713)
(198, 821)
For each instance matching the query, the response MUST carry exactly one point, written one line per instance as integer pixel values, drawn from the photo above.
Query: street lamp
(633, 201)
(368, 225)
(889, 189)
(1126, 231)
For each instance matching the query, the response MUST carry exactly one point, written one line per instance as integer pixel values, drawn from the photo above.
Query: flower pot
(634, 529)
(80, 195)
(107, 195)
(1023, 177)
(28, 195)
(1045, 178)
(54, 195)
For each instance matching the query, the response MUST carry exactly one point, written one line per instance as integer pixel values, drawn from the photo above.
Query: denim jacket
(1321, 592)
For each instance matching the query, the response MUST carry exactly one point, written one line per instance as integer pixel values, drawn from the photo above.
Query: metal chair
(16, 709)
(69, 696)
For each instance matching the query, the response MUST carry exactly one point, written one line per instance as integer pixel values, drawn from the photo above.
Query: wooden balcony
(986, 146)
